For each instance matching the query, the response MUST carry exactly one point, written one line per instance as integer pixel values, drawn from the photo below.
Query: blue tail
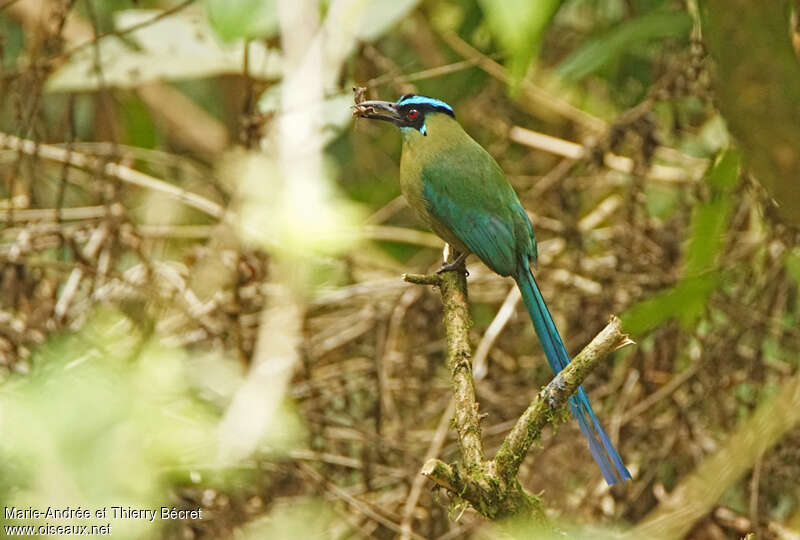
(600, 445)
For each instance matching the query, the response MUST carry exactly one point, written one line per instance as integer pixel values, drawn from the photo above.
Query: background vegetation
(200, 257)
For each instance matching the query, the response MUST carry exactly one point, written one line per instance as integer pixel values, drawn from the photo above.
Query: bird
(458, 190)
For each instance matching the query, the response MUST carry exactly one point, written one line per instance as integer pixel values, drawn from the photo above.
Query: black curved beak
(378, 110)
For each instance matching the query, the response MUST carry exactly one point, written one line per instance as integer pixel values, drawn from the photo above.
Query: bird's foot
(456, 265)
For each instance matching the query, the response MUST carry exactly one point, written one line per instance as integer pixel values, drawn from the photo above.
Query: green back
(464, 191)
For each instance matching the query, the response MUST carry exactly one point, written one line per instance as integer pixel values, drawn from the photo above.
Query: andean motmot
(461, 193)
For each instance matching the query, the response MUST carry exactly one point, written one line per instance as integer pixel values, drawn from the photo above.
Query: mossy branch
(453, 288)
(554, 396)
(492, 487)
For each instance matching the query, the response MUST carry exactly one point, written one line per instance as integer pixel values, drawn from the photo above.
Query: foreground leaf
(182, 46)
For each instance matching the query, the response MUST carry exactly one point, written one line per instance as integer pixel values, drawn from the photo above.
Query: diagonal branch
(554, 396)
(492, 487)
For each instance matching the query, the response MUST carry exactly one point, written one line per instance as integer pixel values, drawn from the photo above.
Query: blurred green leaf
(724, 176)
(773, 354)
(601, 50)
(710, 219)
(792, 263)
(108, 416)
(518, 26)
(785, 504)
(710, 139)
(662, 200)
(687, 300)
(139, 128)
(182, 46)
(482, 315)
(13, 41)
(94, 428)
(737, 497)
(243, 18)
(705, 243)
(301, 217)
(305, 518)
(334, 110)
(380, 15)
(746, 392)
(519, 528)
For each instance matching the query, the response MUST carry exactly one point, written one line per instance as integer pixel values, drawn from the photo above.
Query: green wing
(467, 192)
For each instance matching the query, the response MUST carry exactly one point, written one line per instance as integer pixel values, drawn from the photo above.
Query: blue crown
(432, 103)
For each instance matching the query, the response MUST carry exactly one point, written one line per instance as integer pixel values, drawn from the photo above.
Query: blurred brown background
(200, 256)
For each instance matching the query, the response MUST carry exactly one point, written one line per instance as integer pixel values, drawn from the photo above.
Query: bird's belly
(447, 235)
(413, 195)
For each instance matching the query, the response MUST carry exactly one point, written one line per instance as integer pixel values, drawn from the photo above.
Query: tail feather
(600, 445)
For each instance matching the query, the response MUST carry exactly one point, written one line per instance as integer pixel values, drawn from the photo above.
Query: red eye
(412, 114)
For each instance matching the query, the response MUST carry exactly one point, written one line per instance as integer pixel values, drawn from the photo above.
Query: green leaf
(182, 46)
(687, 300)
(792, 263)
(13, 42)
(602, 50)
(662, 200)
(708, 225)
(139, 128)
(725, 174)
(380, 15)
(108, 427)
(746, 392)
(518, 26)
(333, 110)
(243, 18)
(710, 220)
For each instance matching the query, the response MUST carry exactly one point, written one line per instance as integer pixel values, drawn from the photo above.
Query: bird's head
(412, 113)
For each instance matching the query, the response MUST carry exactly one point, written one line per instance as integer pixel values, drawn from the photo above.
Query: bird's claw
(453, 266)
